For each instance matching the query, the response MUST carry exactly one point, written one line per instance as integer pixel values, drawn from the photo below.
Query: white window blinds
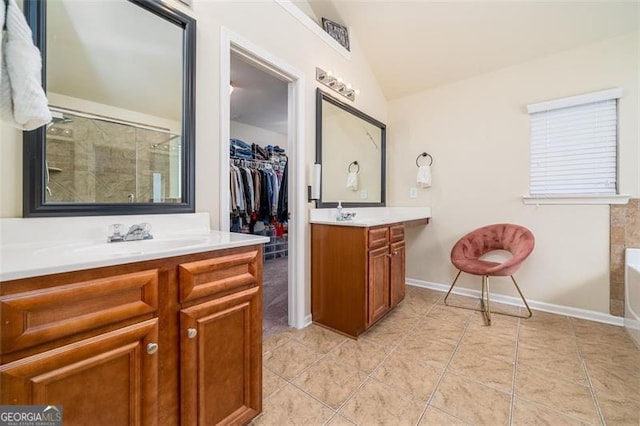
(574, 145)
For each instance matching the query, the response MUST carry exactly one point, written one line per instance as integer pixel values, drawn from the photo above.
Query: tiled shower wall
(624, 232)
(97, 161)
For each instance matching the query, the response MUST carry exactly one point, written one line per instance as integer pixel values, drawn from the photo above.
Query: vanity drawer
(36, 317)
(397, 233)
(378, 237)
(218, 276)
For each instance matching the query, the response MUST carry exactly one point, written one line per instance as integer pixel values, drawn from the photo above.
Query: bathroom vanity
(358, 266)
(168, 340)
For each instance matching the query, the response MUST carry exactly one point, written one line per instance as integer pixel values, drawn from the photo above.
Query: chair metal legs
(485, 306)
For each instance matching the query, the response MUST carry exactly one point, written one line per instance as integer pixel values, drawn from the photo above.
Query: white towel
(23, 102)
(424, 176)
(352, 181)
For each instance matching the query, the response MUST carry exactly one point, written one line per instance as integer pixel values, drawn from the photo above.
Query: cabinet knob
(191, 333)
(152, 348)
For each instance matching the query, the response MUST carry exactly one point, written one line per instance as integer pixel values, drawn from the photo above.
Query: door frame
(297, 252)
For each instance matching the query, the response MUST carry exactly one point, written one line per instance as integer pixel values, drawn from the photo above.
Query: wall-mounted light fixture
(336, 84)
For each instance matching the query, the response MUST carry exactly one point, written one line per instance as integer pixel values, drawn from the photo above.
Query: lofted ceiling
(417, 45)
(115, 53)
(258, 99)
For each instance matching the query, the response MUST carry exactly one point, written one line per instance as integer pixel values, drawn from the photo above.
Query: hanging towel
(23, 102)
(352, 181)
(424, 176)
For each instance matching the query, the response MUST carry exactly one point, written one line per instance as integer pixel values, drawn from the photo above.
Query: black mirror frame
(320, 96)
(33, 204)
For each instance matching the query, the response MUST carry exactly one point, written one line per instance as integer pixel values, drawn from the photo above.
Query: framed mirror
(119, 77)
(350, 146)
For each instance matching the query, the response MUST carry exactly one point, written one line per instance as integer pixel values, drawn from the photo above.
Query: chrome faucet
(345, 216)
(137, 232)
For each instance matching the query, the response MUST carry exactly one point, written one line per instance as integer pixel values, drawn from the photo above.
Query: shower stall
(98, 159)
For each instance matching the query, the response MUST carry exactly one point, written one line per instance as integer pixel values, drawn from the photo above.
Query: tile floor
(429, 364)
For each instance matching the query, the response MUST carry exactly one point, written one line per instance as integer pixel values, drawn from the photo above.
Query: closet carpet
(274, 296)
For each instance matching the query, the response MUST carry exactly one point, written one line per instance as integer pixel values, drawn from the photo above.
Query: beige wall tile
(624, 232)
(617, 234)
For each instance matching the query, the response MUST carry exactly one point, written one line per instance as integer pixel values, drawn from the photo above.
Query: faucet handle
(116, 230)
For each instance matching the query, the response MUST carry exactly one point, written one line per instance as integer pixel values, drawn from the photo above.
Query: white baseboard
(515, 301)
(307, 321)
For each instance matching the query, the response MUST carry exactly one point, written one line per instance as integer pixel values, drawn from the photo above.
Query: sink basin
(139, 247)
(127, 248)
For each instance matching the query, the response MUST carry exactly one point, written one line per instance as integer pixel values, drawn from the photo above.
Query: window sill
(575, 199)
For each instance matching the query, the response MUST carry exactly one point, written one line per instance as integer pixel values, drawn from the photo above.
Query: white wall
(477, 131)
(257, 135)
(272, 28)
(346, 139)
(265, 24)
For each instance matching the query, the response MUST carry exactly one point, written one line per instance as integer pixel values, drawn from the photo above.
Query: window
(574, 146)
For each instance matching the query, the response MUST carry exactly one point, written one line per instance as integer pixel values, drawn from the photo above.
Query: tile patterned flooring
(429, 364)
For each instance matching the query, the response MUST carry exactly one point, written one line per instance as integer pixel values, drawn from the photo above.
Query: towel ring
(354, 163)
(424, 154)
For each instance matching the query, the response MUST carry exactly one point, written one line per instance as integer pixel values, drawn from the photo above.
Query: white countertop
(370, 216)
(43, 246)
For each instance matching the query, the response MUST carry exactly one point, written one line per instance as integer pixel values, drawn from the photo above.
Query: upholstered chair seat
(467, 252)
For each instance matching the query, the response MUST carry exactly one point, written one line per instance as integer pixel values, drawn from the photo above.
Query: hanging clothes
(283, 199)
(257, 185)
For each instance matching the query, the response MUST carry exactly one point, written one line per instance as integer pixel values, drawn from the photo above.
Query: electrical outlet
(364, 194)
(413, 192)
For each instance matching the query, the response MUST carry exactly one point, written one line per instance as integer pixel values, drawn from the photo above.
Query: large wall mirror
(350, 145)
(119, 77)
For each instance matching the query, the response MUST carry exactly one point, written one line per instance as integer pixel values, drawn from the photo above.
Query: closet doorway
(258, 164)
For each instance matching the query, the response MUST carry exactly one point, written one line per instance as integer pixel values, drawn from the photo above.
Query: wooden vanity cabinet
(113, 345)
(357, 275)
(221, 340)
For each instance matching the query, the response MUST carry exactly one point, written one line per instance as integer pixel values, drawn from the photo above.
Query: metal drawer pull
(152, 348)
(191, 333)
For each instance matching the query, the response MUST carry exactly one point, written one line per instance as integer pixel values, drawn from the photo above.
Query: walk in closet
(258, 165)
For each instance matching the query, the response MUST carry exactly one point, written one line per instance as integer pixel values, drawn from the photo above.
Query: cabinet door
(221, 362)
(378, 286)
(109, 379)
(397, 272)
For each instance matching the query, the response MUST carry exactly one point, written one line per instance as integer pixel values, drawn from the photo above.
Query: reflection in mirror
(98, 160)
(350, 145)
(119, 79)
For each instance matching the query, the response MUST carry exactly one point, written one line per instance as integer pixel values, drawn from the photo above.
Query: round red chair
(466, 254)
